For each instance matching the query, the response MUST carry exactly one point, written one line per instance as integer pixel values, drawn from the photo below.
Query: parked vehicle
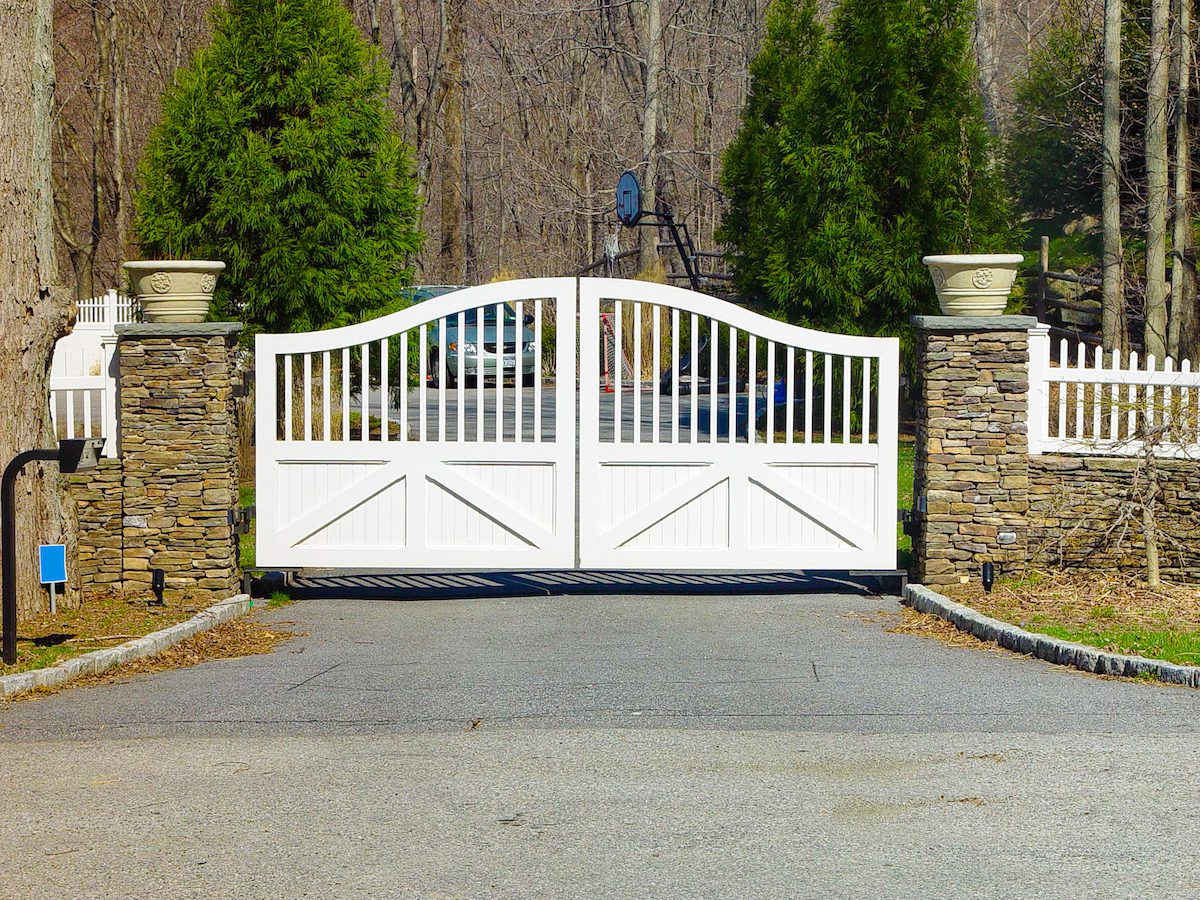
(484, 351)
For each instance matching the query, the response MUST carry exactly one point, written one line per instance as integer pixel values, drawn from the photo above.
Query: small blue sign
(52, 560)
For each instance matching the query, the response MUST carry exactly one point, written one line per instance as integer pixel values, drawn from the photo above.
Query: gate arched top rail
(625, 289)
(425, 312)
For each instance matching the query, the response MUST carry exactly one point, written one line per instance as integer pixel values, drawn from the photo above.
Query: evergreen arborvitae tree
(276, 154)
(861, 150)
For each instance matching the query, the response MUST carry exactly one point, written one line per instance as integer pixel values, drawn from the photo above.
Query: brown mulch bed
(1081, 601)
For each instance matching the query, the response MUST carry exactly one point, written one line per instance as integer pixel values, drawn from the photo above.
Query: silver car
(479, 348)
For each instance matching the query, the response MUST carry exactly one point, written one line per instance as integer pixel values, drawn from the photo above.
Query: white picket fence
(1088, 401)
(83, 374)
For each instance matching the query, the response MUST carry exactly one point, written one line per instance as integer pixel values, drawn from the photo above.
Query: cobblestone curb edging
(139, 648)
(1053, 650)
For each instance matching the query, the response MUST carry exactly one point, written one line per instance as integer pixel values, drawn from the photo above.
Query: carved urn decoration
(973, 284)
(174, 290)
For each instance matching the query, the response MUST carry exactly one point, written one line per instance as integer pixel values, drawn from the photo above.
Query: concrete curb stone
(148, 645)
(1053, 650)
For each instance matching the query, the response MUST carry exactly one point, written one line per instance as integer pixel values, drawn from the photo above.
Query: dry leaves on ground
(229, 640)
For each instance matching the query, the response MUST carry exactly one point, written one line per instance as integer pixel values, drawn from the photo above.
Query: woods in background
(520, 116)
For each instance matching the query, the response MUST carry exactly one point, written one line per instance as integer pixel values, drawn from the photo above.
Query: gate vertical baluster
(808, 395)
(480, 357)
(674, 375)
(442, 371)
(384, 424)
(770, 392)
(695, 380)
(828, 394)
(345, 393)
(732, 391)
(287, 403)
(1097, 393)
(537, 371)
(713, 370)
(518, 373)
(460, 433)
(326, 427)
(752, 387)
(404, 386)
(364, 405)
(618, 360)
(866, 401)
(847, 389)
(307, 396)
(637, 372)
(422, 379)
(790, 395)
(656, 356)
(499, 373)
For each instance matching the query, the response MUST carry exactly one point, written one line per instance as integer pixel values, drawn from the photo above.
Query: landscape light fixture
(72, 455)
(989, 577)
(158, 581)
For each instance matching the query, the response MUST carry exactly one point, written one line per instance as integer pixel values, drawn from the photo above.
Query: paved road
(624, 747)
(640, 408)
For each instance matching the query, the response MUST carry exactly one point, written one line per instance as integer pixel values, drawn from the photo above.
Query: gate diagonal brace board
(491, 506)
(822, 514)
(707, 478)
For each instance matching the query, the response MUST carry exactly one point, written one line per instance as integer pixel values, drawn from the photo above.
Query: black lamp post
(72, 455)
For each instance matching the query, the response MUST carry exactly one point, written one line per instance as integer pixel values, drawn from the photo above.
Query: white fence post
(110, 423)
(1039, 389)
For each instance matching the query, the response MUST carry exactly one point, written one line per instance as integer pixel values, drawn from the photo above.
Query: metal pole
(8, 545)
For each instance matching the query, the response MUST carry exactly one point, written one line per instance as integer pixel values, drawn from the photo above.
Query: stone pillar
(179, 453)
(972, 453)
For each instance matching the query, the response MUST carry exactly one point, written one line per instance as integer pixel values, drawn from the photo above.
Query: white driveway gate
(730, 441)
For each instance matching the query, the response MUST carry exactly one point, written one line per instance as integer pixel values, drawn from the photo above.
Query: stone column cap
(176, 329)
(973, 323)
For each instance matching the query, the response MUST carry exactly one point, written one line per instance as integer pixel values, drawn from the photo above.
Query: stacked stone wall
(168, 502)
(987, 500)
(99, 505)
(1083, 514)
(972, 449)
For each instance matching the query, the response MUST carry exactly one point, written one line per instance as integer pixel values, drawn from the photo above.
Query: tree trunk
(989, 67)
(651, 111)
(34, 310)
(1150, 524)
(1156, 179)
(452, 256)
(1113, 322)
(1182, 329)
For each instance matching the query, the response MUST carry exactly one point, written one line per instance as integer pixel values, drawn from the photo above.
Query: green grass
(1178, 647)
(905, 462)
(246, 541)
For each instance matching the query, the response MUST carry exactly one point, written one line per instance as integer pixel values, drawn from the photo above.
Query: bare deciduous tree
(34, 309)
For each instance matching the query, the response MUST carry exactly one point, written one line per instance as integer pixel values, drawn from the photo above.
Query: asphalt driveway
(603, 747)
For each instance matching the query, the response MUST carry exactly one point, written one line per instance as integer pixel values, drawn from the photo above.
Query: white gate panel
(441, 468)
(774, 448)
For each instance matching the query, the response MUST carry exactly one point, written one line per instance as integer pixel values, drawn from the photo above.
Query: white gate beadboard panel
(448, 493)
(817, 494)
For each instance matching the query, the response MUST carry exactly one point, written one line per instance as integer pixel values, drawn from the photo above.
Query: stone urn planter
(973, 284)
(174, 290)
